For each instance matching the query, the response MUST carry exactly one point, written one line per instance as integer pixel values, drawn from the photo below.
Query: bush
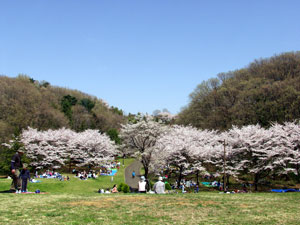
(168, 186)
(120, 187)
(125, 188)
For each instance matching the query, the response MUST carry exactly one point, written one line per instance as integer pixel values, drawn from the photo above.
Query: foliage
(26, 102)
(116, 110)
(125, 188)
(168, 186)
(66, 105)
(87, 103)
(120, 187)
(114, 136)
(266, 91)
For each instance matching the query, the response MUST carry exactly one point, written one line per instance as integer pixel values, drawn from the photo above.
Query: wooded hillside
(25, 102)
(267, 90)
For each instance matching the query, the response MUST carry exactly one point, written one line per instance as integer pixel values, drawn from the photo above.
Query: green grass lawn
(201, 208)
(76, 202)
(74, 185)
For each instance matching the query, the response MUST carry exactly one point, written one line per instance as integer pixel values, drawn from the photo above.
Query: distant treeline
(266, 91)
(26, 102)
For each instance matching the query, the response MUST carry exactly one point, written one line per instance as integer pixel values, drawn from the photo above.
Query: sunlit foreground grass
(202, 208)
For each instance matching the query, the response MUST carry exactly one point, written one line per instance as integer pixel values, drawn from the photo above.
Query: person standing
(159, 186)
(16, 164)
(25, 176)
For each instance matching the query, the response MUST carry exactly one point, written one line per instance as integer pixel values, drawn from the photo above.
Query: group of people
(51, 174)
(158, 188)
(20, 176)
(84, 175)
(107, 191)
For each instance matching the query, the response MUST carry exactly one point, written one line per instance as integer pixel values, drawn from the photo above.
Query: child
(115, 189)
(25, 176)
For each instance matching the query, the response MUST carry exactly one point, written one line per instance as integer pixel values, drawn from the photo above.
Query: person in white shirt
(142, 185)
(159, 186)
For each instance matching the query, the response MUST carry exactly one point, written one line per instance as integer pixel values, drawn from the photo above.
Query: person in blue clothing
(133, 174)
(25, 176)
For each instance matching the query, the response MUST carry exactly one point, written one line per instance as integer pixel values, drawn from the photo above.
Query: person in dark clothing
(16, 164)
(25, 176)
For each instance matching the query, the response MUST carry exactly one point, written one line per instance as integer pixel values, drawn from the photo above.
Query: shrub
(168, 186)
(125, 188)
(120, 187)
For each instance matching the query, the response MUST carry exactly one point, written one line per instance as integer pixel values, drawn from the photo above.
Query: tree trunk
(298, 172)
(70, 166)
(197, 177)
(180, 176)
(256, 178)
(227, 182)
(146, 172)
(146, 167)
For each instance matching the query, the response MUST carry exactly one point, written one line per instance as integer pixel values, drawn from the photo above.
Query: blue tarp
(113, 172)
(285, 190)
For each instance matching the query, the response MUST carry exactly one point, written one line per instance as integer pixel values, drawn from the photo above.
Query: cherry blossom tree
(252, 150)
(221, 158)
(184, 149)
(285, 145)
(93, 148)
(54, 148)
(140, 137)
(47, 149)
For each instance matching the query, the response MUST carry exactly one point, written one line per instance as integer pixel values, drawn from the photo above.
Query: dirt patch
(109, 201)
(130, 199)
(243, 206)
(98, 204)
(106, 202)
(186, 202)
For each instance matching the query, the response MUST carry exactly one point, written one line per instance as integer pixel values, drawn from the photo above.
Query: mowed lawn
(77, 202)
(202, 208)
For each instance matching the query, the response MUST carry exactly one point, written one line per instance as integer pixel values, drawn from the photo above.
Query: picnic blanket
(35, 181)
(113, 172)
(23, 193)
(285, 190)
(48, 177)
(207, 184)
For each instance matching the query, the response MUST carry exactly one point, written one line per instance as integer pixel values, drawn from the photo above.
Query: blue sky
(141, 55)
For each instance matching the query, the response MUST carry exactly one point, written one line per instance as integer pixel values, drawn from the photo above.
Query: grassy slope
(76, 202)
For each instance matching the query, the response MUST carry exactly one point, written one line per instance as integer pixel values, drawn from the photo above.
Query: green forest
(26, 102)
(266, 91)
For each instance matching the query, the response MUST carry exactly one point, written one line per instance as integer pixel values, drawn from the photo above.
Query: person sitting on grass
(115, 189)
(107, 191)
(25, 176)
(159, 186)
(142, 185)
